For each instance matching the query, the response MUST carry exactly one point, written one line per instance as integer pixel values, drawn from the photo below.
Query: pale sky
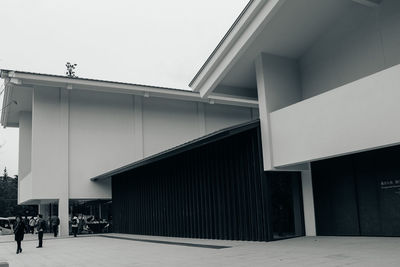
(157, 42)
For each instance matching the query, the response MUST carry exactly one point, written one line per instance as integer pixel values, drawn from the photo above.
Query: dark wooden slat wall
(216, 191)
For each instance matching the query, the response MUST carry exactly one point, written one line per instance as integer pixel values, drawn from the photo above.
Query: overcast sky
(161, 43)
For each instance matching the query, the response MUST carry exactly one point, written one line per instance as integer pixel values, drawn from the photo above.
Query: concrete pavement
(147, 251)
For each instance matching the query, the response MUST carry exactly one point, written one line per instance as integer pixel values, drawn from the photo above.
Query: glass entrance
(285, 205)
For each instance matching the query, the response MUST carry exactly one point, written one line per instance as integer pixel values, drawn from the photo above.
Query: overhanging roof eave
(5, 109)
(242, 33)
(38, 79)
(221, 42)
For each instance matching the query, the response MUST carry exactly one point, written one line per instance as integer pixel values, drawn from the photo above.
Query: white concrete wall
(361, 42)
(97, 132)
(25, 144)
(167, 123)
(278, 85)
(25, 188)
(101, 138)
(218, 117)
(49, 162)
(24, 153)
(47, 165)
(107, 131)
(308, 203)
(358, 116)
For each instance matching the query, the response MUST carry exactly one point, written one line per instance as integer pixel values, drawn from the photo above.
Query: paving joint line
(168, 242)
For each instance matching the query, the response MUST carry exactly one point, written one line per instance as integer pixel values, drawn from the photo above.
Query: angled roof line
(92, 80)
(222, 41)
(198, 142)
(22, 78)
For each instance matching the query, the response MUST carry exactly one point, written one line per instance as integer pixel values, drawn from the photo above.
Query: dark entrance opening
(286, 204)
(358, 194)
(95, 216)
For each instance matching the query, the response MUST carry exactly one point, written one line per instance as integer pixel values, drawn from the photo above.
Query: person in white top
(75, 224)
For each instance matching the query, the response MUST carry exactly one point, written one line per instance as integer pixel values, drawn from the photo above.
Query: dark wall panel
(214, 191)
(335, 199)
(358, 194)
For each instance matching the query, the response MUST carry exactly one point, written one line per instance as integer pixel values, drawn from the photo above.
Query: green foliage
(9, 198)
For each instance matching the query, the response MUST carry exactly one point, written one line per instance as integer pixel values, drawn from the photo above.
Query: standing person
(55, 222)
(75, 224)
(19, 231)
(40, 228)
(26, 223)
(32, 223)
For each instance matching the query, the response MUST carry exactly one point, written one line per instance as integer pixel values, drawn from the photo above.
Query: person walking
(19, 231)
(75, 224)
(32, 223)
(41, 225)
(55, 222)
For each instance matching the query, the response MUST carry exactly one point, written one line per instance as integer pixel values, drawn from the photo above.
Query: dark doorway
(358, 194)
(286, 204)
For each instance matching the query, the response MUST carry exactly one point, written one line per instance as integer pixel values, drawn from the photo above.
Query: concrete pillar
(63, 201)
(278, 85)
(201, 119)
(266, 138)
(137, 115)
(308, 203)
(50, 148)
(63, 214)
(25, 147)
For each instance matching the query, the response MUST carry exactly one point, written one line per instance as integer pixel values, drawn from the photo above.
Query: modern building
(309, 91)
(73, 129)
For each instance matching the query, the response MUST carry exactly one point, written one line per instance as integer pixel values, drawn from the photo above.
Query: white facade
(68, 136)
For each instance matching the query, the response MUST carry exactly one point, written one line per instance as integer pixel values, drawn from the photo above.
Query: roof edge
(198, 142)
(244, 31)
(7, 92)
(14, 73)
(222, 41)
(39, 79)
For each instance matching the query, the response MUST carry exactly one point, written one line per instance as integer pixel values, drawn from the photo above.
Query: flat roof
(198, 142)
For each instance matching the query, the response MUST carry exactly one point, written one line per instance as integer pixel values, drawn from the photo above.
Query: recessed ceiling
(293, 29)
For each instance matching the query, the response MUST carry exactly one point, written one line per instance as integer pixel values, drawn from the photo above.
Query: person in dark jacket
(55, 222)
(26, 223)
(19, 231)
(41, 225)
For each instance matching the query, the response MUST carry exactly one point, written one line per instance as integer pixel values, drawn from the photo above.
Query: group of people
(24, 226)
(20, 228)
(31, 224)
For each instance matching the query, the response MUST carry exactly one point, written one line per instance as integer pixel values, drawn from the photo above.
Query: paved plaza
(133, 250)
